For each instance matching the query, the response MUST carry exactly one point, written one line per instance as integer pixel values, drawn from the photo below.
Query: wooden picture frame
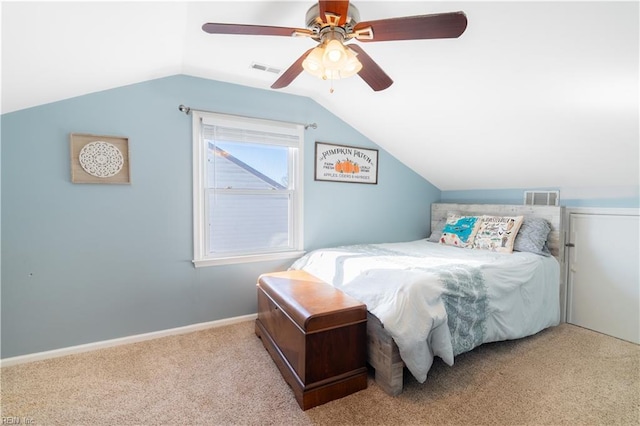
(99, 159)
(343, 163)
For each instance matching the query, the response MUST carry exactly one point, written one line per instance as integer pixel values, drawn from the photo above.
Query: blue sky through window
(269, 160)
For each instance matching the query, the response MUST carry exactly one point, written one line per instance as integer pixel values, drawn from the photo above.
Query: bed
(429, 298)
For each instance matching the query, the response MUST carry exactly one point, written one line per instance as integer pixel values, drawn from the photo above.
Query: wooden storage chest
(316, 335)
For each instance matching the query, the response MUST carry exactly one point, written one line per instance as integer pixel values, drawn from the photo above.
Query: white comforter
(437, 300)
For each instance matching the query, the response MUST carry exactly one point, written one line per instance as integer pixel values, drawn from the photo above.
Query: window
(247, 189)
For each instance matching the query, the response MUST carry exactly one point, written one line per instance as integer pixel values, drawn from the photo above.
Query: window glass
(249, 223)
(247, 165)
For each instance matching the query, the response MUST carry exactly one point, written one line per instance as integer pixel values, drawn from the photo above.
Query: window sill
(200, 263)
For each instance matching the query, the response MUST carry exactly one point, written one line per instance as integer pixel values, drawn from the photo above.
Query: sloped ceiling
(533, 94)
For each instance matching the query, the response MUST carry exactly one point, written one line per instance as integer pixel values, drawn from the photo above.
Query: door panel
(604, 278)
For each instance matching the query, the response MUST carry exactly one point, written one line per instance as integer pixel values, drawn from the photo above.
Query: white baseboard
(22, 359)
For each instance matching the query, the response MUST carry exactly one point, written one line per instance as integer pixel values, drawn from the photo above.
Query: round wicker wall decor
(101, 159)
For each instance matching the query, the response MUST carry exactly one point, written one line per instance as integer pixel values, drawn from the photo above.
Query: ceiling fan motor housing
(316, 23)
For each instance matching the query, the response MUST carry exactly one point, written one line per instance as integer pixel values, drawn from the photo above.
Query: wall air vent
(542, 198)
(266, 68)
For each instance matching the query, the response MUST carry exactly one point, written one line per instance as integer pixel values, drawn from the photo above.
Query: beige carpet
(564, 375)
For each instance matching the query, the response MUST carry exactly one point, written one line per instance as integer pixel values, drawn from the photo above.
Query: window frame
(201, 258)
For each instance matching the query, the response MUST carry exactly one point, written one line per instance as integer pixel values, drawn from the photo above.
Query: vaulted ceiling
(533, 94)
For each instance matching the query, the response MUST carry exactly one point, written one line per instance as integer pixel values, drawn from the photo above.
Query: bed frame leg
(390, 381)
(383, 355)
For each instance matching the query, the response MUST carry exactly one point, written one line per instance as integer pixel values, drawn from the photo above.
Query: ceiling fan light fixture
(313, 62)
(352, 65)
(335, 55)
(332, 60)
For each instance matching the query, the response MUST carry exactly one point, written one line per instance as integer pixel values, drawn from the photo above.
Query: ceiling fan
(332, 23)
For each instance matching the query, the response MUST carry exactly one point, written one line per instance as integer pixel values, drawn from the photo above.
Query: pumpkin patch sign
(341, 163)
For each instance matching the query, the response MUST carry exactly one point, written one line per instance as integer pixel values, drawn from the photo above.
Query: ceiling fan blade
(291, 73)
(339, 8)
(441, 25)
(215, 28)
(371, 72)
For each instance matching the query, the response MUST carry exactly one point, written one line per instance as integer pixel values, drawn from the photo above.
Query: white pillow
(497, 233)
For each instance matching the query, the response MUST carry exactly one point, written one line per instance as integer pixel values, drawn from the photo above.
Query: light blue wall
(84, 263)
(584, 197)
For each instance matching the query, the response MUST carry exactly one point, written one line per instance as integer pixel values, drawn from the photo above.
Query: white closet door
(604, 278)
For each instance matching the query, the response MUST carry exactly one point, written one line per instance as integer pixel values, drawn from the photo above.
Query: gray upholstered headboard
(553, 214)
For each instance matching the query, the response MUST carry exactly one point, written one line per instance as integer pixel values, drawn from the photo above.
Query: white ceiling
(533, 94)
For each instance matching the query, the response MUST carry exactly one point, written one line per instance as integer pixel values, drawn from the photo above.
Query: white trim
(39, 356)
(198, 184)
(298, 179)
(201, 257)
(231, 260)
(624, 211)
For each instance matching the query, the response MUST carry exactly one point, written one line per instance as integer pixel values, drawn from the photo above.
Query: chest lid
(311, 303)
